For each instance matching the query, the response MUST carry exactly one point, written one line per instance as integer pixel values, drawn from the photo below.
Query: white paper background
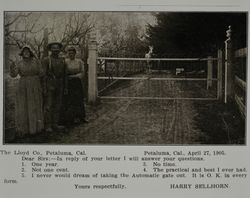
(237, 155)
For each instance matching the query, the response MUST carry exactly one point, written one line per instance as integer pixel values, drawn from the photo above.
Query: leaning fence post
(229, 76)
(219, 74)
(209, 71)
(92, 70)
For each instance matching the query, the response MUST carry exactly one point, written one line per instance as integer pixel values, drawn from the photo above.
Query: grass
(218, 121)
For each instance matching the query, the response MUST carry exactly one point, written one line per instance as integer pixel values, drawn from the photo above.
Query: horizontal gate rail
(154, 78)
(156, 59)
(152, 98)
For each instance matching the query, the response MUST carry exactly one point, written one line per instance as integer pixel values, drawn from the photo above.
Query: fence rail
(241, 52)
(239, 95)
(240, 82)
(240, 100)
(240, 105)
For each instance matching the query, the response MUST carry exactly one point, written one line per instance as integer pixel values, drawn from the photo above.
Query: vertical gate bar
(225, 89)
(129, 66)
(117, 67)
(229, 76)
(219, 75)
(209, 72)
(105, 68)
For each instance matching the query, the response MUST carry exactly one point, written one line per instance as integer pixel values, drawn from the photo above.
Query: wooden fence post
(209, 72)
(92, 70)
(219, 74)
(229, 76)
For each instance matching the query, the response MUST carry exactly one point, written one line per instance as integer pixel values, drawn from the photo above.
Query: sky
(58, 20)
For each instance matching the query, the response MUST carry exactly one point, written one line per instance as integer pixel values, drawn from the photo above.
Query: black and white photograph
(125, 78)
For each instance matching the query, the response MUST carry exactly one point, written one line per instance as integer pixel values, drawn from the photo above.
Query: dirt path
(132, 121)
(146, 122)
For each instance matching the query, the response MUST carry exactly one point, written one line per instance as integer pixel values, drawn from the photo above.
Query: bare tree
(23, 28)
(76, 29)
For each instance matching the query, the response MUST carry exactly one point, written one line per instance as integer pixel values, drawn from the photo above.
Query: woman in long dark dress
(28, 104)
(75, 108)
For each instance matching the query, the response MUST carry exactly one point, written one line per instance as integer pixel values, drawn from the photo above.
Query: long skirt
(74, 103)
(29, 106)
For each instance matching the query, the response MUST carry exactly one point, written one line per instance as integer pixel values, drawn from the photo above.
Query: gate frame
(92, 73)
(209, 77)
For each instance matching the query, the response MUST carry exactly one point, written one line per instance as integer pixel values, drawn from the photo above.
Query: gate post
(209, 71)
(229, 77)
(219, 75)
(92, 70)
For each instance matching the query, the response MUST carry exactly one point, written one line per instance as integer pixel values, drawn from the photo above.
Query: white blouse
(75, 66)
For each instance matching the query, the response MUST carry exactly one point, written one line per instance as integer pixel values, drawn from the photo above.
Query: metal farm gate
(210, 78)
(158, 77)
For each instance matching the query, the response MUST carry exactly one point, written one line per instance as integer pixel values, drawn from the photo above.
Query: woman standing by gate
(28, 105)
(75, 109)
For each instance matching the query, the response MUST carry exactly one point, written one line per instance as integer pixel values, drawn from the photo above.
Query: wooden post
(219, 75)
(209, 72)
(92, 70)
(83, 45)
(229, 76)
